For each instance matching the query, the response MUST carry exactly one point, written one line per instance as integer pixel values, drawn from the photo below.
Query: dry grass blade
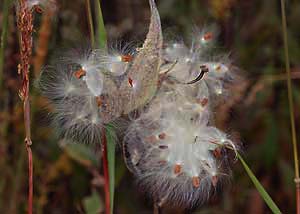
(291, 105)
(90, 22)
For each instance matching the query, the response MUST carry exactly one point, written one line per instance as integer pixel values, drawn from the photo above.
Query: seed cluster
(173, 148)
(171, 144)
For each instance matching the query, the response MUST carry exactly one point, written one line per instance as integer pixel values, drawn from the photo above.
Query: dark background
(65, 178)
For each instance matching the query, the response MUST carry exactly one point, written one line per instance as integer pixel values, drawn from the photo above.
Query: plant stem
(90, 21)
(30, 179)
(105, 172)
(291, 105)
(25, 26)
(107, 157)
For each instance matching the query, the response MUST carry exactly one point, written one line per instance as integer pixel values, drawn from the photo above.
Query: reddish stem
(28, 142)
(30, 180)
(105, 172)
(298, 196)
(25, 26)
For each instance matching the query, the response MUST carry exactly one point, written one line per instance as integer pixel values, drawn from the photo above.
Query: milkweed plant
(168, 92)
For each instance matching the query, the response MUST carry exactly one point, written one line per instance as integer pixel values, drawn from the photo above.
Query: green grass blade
(101, 42)
(260, 188)
(101, 39)
(90, 22)
(5, 13)
(111, 146)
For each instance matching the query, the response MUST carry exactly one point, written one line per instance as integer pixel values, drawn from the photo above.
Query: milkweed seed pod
(95, 87)
(143, 74)
(139, 84)
(172, 146)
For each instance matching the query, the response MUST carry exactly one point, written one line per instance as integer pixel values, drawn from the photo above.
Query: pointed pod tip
(154, 11)
(152, 5)
(155, 32)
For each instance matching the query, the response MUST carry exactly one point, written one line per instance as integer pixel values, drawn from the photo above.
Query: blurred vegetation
(67, 177)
